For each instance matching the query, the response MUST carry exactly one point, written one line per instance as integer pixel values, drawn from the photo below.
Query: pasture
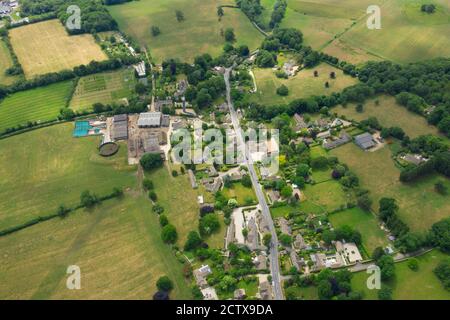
(34, 105)
(407, 284)
(420, 205)
(406, 34)
(179, 200)
(339, 29)
(46, 47)
(5, 63)
(117, 246)
(389, 114)
(45, 168)
(364, 222)
(303, 85)
(200, 31)
(106, 87)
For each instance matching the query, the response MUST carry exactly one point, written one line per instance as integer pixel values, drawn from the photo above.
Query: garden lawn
(364, 222)
(327, 195)
(117, 247)
(240, 193)
(45, 168)
(35, 105)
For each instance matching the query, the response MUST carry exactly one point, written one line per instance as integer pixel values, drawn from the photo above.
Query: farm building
(365, 141)
(159, 104)
(299, 122)
(120, 127)
(150, 120)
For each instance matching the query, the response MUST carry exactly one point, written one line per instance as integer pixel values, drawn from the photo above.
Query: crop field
(45, 168)
(179, 200)
(40, 104)
(302, 85)
(200, 32)
(389, 114)
(5, 63)
(410, 285)
(420, 205)
(365, 222)
(107, 87)
(117, 246)
(46, 47)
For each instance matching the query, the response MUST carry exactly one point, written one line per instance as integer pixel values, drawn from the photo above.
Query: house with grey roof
(365, 141)
(330, 143)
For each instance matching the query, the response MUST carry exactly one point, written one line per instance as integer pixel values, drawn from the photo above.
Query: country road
(274, 263)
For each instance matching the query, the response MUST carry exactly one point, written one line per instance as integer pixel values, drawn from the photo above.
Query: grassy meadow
(420, 205)
(45, 168)
(389, 114)
(199, 33)
(117, 246)
(5, 63)
(106, 87)
(407, 284)
(302, 85)
(46, 47)
(365, 222)
(179, 200)
(339, 28)
(40, 104)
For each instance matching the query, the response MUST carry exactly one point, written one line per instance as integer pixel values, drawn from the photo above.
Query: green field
(420, 205)
(40, 104)
(339, 29)
(179, 200)
(365, 222)
(5, 63)
(408, 284)
(389, 114)
(302, 85)
(117, 247)
(240, 193)
(199, 33)
(327, 195)
(407, 34)
(106, 87)
(44, 168)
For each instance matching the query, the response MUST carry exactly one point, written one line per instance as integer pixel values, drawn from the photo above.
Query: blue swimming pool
(81, 129)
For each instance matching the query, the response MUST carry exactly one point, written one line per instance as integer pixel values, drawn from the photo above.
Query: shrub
(151, 161)
(169, 234)
(164, 284)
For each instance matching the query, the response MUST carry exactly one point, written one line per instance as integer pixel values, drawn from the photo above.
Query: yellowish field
(46, 47)
(302, 85)
(420, 205)
(117, 247)
(389, 114)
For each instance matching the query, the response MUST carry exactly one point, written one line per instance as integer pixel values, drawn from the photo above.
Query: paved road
(274, 263)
